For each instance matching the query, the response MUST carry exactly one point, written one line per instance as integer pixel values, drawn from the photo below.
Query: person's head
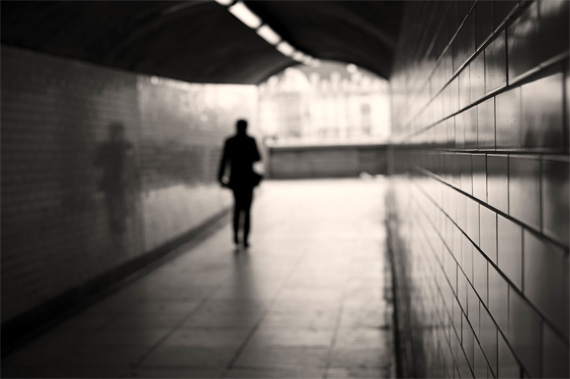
(241, 126)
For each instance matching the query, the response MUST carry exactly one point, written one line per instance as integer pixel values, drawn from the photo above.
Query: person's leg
(247, 199)
(237, 212)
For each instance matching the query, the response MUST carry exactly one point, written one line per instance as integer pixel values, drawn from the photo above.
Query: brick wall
(100, 167)
(480, 113)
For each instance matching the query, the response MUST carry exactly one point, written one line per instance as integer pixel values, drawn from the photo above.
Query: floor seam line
(334, 339)
(242, 347)
(175, 328)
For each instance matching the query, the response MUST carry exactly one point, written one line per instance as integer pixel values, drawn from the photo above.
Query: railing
(326, 161)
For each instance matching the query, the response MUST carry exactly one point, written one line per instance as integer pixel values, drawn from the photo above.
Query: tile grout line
(178, 325)
(255, 327)
(246, 340)
(328, 361)
(175, 328)
(126, 282)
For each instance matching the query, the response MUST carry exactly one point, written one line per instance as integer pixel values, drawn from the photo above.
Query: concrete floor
(308, 299)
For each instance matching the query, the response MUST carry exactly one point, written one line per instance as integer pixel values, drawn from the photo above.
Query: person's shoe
(236, 240)
(245, 244)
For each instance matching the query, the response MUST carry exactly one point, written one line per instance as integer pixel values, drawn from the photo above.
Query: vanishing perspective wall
(100, 167)
(480, 221)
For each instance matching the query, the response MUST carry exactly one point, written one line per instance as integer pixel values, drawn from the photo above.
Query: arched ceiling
(200, 41)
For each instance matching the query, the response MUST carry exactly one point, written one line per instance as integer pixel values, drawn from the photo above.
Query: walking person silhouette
(240, 152)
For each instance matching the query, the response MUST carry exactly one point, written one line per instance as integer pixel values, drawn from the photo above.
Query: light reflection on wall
(183, 126)
(331, 104)
(111, 166)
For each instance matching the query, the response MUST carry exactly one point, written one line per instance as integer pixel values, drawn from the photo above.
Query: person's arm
(223, 162)
(256, 157)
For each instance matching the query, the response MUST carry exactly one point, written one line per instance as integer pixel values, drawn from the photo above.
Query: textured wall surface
(480, 99)
(326, 161)
(100, 167)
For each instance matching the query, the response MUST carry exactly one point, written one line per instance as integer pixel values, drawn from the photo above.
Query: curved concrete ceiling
(200, 41)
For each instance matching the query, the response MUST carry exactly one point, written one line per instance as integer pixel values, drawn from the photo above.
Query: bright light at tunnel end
(249, 18)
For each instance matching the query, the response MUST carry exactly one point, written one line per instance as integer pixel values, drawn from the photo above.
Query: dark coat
(240, 152)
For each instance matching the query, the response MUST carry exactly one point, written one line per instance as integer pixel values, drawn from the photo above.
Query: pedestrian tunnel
(452, 262)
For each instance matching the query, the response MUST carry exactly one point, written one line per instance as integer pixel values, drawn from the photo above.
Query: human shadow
(112, 156)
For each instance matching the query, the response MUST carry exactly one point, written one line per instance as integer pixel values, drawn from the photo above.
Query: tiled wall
(480, 105)
(100, 167)
(182, 130)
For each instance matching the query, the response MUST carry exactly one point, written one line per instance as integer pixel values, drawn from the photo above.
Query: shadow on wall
(113, 156)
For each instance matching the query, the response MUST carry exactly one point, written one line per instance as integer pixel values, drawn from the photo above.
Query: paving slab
(308, 299)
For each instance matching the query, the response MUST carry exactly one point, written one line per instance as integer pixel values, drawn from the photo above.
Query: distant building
(332, 103)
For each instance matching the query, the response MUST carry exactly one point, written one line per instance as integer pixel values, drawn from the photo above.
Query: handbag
(256, 179)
